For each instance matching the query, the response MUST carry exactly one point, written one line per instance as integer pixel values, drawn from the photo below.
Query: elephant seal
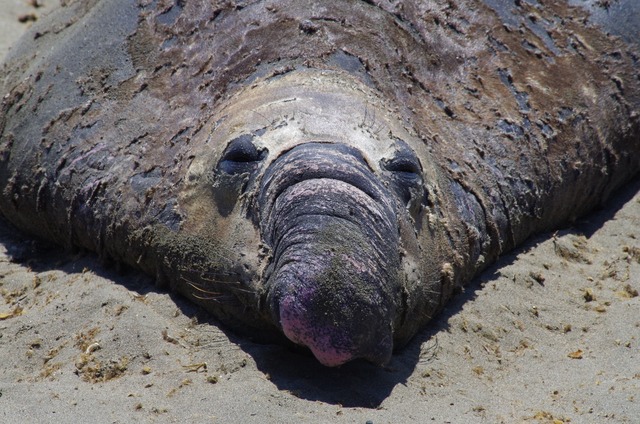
(327, 173)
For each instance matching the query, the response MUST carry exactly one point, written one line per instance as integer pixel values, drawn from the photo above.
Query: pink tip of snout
(301, 332)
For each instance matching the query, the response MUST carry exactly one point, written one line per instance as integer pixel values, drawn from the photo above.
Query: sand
(550, 334)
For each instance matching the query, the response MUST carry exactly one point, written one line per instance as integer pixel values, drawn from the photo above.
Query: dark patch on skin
(171, 14)
(511, 129)
(616, 16)
(521, 96)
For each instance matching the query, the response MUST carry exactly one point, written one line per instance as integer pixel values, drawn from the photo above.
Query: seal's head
(319, 173)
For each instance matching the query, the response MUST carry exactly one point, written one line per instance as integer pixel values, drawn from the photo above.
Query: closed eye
(405, 173)
(241, 156)
(402, 164)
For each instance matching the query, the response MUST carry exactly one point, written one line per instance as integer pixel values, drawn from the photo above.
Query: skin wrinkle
(297, 238)
(351, 172)
(323, 192)
(288, 173)
(288, 221)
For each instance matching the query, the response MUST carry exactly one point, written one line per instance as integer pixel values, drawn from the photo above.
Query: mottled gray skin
(328, 171)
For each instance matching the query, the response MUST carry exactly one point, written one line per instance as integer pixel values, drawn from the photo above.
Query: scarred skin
(327, 173)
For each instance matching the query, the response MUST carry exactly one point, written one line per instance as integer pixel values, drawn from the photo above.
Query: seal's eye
(241, 156)
(405, 173)
(403, 165)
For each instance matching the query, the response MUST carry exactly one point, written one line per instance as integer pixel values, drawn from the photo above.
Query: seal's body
(330, 171)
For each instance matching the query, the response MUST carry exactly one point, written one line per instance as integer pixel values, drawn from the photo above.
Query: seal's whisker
(373, 120)
(220, 273)
(210, 272)
(201, 289)
(381, 127)
(266, 120)
(206, 294)
(211, 298)
(207, 280)
(235, 289)
(213, 279)
(364, 118)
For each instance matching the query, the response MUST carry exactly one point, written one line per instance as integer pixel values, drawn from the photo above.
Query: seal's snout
(333, 284)
(336, 327)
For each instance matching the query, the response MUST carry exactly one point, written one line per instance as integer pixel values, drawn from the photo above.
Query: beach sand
(550, 334)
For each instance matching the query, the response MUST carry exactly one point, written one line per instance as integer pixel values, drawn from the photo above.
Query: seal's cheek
(215, 205)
